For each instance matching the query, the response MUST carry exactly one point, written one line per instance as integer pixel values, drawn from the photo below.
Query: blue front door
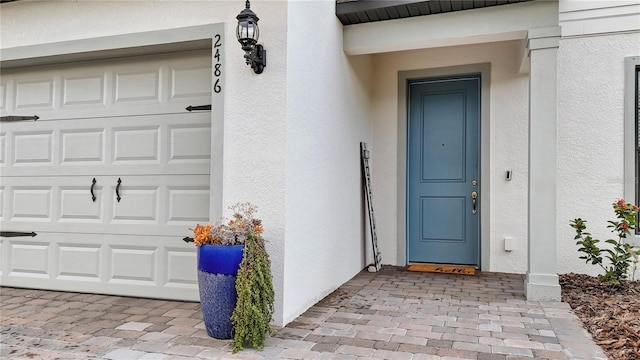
(443, 189)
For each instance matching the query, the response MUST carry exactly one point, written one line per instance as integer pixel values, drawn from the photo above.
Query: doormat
(445, 269)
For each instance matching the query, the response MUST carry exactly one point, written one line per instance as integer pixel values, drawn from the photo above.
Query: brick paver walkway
(392, 314)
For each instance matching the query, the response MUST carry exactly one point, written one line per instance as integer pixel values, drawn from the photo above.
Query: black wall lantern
(247, 32)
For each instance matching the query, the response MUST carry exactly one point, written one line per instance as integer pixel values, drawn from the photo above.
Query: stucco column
(541, 283)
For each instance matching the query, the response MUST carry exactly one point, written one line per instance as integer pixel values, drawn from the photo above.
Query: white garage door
(123, 123)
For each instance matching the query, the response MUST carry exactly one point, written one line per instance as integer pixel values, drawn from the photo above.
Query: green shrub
(619, 253)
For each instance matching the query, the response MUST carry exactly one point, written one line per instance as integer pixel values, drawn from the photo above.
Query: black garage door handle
(118, 190)
(93, 183)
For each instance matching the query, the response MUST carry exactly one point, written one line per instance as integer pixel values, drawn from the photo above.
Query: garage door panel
(135, 265)
(2, 202)
(138, 145)
(139, 85)
(76, 205)
(148, 266)
(133, 86)
(3, 151)
(29, 259)
(33, 148)
(33, 93)
(138, 204)
(83, 88)
(79, 262)
(189, 143)
(82, 146)
(184, 81)
(126, 145)
(180, 272)
(3, 96)
(154, 205)
(3, 254)
(187, 205)
(31, 203)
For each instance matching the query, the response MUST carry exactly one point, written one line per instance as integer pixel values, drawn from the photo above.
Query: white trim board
(491, 24)
(135, 44)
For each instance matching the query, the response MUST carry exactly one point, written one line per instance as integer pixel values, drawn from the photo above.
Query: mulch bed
(610, 313)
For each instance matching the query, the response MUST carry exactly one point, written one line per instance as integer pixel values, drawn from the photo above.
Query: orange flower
(201, 234)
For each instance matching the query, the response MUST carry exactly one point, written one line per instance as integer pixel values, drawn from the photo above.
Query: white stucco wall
(580, 17)
(597, 36)
(590, 137)
(298, 124)
(328, 115)
(254, 129)
(508, 134)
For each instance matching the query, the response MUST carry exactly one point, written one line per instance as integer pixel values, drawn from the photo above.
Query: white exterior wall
(328, 115)
(597, 36)
(254, 129)
(298, 124)
(508, 131)
(580, 17)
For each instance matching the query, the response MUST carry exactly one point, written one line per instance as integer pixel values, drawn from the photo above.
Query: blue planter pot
(217, 270)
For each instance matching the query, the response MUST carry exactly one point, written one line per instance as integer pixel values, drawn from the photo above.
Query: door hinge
(18, 118)
(16, 234)
(199, 107)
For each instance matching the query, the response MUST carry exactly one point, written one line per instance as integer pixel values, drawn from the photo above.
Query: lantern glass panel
(247, 30)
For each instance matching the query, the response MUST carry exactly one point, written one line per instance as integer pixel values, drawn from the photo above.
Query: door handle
(118, 190)
(474, 201)
(93, 183)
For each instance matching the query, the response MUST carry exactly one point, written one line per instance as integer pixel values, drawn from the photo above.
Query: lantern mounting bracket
(257, 58)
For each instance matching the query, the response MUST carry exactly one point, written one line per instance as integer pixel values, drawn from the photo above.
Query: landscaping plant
(619, 253)
(254, 308)
(252, 314)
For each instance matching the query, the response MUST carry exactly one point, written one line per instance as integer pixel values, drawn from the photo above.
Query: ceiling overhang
(351, 12)
(478, 26)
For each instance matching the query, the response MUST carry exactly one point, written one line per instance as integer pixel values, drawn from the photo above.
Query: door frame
(404, 77)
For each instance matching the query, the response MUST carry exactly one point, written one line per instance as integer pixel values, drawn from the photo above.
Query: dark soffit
(351, 12)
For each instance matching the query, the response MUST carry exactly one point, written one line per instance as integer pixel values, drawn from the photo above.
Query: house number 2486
(217, 67)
